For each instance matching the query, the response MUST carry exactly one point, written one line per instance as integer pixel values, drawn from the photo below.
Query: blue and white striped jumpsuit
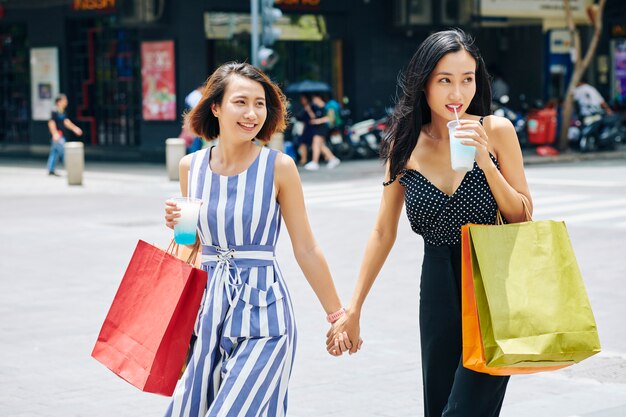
(241, 361)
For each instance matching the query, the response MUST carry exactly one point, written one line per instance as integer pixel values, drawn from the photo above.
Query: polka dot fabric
(437, 216)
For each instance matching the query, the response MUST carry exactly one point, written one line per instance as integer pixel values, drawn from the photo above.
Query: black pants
(450, 390)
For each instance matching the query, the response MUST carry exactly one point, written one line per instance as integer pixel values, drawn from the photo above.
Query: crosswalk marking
(557, 198)
(581, 183)
(342, 196)
(372, 202)
(600, 215)
(566, 208)
(573, 208)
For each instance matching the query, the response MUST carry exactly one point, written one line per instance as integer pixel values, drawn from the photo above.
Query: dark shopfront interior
(14, 84)
(104, 82)
(99, 68)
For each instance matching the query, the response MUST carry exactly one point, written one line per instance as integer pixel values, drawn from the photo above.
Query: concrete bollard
(74, 162)
(175, 150)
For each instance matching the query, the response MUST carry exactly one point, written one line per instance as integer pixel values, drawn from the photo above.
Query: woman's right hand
(347, 325)
(172, 212)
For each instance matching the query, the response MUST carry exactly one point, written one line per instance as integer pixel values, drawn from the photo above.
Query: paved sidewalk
(531, 157)
(63, 250)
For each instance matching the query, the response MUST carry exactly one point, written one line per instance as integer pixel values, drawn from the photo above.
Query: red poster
(158, 80)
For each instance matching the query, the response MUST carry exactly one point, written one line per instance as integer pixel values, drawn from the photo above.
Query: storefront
(82, 49)
(127, 65)
(14, 84)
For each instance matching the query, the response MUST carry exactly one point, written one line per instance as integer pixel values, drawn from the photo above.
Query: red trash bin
(541, 126)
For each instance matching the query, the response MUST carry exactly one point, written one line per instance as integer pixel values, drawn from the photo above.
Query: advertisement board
(44, 75)
(158, 80)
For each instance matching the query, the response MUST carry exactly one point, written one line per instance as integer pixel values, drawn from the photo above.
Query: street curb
(533, 159)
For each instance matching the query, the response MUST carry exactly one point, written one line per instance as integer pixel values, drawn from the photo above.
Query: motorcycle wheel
(342, 150)
(587, 144)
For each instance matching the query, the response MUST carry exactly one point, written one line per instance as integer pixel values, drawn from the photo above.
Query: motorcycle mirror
(504, 99)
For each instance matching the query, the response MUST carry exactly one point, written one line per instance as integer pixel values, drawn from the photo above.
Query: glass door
(105, 81)
(14, 85)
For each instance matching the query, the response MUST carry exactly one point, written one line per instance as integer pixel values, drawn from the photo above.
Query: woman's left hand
(480, 141)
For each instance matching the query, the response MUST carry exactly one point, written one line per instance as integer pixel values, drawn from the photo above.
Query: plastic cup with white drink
(461, 156)
(186, 224)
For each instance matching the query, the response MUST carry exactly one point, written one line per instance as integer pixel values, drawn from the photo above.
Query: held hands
(172, 212)
(480, 141)
(341, 334)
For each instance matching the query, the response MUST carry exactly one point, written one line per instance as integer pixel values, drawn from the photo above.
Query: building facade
(127, 65)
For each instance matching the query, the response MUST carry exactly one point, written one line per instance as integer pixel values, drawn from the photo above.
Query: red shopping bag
(146, 334)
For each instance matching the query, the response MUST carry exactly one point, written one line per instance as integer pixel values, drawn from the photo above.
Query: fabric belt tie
(227, 262)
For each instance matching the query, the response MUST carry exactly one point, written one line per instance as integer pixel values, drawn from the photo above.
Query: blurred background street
(64, 250)
(130, 69)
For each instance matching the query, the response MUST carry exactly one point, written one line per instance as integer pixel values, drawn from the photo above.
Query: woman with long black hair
(445, 77)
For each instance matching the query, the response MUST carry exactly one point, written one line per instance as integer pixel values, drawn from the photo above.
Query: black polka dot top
(437, 216)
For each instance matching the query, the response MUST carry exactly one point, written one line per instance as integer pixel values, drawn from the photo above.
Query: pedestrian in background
(58, 126)
(321, 116)
(446, 74)
(192, 142)
(333, 110)
(305, 140)
(241, 361)
(499, 87)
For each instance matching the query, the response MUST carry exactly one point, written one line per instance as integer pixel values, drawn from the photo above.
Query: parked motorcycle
(340, 144)
(599, 131)
(517, 118)
(362, 139)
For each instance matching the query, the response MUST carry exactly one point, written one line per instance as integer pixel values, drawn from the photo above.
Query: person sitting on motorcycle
(588, 100)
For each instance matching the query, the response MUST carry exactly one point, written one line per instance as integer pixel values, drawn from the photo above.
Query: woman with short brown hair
(241, 361)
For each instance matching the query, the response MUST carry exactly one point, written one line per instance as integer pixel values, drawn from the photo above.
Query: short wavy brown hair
(203, 122)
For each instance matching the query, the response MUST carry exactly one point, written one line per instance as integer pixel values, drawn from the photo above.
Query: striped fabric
(241, 361)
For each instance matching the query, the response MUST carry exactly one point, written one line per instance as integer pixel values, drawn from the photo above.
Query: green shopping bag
(532, 304)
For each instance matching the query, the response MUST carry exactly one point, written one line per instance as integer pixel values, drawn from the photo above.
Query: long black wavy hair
(411, 110)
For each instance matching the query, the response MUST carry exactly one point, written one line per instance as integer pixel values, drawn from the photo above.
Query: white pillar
(74, 162)
(175, 150)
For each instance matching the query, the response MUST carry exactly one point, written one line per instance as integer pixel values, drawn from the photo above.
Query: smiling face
(243, 110)
(452, 84)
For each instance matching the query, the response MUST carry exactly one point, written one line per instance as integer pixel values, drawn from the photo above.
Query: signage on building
(99, 5)
(539, 9)
(618, 84)
(158, 80)
(302, 27)
(618, 31)
(44, 75)
(560, 41)
(298, 4)
(314, 6)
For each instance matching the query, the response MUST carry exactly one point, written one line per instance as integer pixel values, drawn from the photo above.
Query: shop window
(105, 81)
(14, 85)
(304, 49)
(412, 12)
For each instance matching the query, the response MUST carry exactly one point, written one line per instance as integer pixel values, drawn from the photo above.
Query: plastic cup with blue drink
(187, 223)
(461, 156)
